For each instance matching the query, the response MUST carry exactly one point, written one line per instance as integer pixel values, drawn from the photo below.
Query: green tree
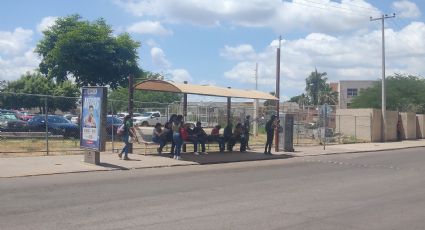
(88, 52)
(23, 92)
(301, 99)
(270, 102)
(315, 84)
(405, 93)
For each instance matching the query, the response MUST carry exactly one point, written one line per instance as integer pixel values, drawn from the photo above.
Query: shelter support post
(184, 112)
(130, 104)
(229, 106)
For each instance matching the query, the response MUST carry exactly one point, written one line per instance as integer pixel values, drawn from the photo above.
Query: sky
(219, 42)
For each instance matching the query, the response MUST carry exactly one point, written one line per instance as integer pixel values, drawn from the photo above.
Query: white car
(149, 119)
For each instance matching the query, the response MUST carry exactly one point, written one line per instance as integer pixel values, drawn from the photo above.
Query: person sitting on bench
(201, 137)
(215, 136)
(239, 135)
(159, 136)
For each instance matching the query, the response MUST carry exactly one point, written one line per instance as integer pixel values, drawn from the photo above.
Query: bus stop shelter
(206, 90)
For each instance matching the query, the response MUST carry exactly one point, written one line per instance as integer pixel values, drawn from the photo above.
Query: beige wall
(409, 125)
(367, 124)
(354, 122)
(420, 126)
(392, 119)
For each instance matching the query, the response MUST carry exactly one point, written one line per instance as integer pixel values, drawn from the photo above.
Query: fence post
(355, 128)
(47, 125)
(339, 129)
(112, 128)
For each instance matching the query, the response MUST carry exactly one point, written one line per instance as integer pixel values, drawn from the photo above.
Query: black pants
(269, 142)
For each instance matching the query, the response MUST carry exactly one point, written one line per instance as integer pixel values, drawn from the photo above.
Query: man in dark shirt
(201, 137)
(270, 126)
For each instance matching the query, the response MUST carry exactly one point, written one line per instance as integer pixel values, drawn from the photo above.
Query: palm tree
(328, 96)
(315, 83)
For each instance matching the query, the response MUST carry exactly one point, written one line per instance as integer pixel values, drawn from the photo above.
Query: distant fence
(310, 127)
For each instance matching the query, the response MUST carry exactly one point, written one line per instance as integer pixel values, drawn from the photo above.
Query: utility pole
(383, 105)
(277, 92)
(255, 123)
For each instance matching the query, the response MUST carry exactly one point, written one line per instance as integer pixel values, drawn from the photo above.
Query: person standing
(178, 141)
(228, 137)
(270, 127)
(246, 129)
(128, 132)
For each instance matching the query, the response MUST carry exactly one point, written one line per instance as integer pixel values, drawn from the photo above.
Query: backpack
(120, 130)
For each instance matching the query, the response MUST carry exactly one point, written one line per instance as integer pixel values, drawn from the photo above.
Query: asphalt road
(380, 190)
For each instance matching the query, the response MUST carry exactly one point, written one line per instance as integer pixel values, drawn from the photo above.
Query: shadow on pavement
(107, 165)
(227, 157)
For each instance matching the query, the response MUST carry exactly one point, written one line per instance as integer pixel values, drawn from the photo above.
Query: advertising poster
(91, 116)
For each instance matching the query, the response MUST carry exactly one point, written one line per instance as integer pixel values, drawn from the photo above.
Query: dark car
(112, 124)
(10, 123)
(57, 125)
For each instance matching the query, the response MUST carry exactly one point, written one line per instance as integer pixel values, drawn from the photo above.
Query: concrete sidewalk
(46, 165)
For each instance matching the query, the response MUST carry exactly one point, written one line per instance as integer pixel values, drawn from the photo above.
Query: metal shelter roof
(166, 86)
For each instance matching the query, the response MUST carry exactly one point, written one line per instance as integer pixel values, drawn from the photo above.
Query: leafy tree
(315, 84)
(270, 102)
(301, 99)
(23, 92)
(405, 93)
(88, 52)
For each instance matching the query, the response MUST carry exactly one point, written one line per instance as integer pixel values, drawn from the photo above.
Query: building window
(351, 92)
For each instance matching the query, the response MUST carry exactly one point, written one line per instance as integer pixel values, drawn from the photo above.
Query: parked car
(149, 118)
(71, 117)
(21, 115)
(56, 125)
(10, 123)
(121, 115)
(112, 124)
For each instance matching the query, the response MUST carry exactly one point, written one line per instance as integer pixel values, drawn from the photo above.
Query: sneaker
(196, 153)
(205, 153)
(120, 155)
(178, 158)
(174, 157)
(126, 158)
(159, 150)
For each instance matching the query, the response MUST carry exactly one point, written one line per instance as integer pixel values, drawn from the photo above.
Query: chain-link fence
(51, 126)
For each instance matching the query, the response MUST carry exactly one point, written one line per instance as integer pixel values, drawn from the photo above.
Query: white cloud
(45, 23)
(345, 57)
(149, 27)
(406, 9)
(279, 15)
(12, 68)
(16, 55)
(180, 75)
(159, 59)
(16, 42)
(240, 52)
